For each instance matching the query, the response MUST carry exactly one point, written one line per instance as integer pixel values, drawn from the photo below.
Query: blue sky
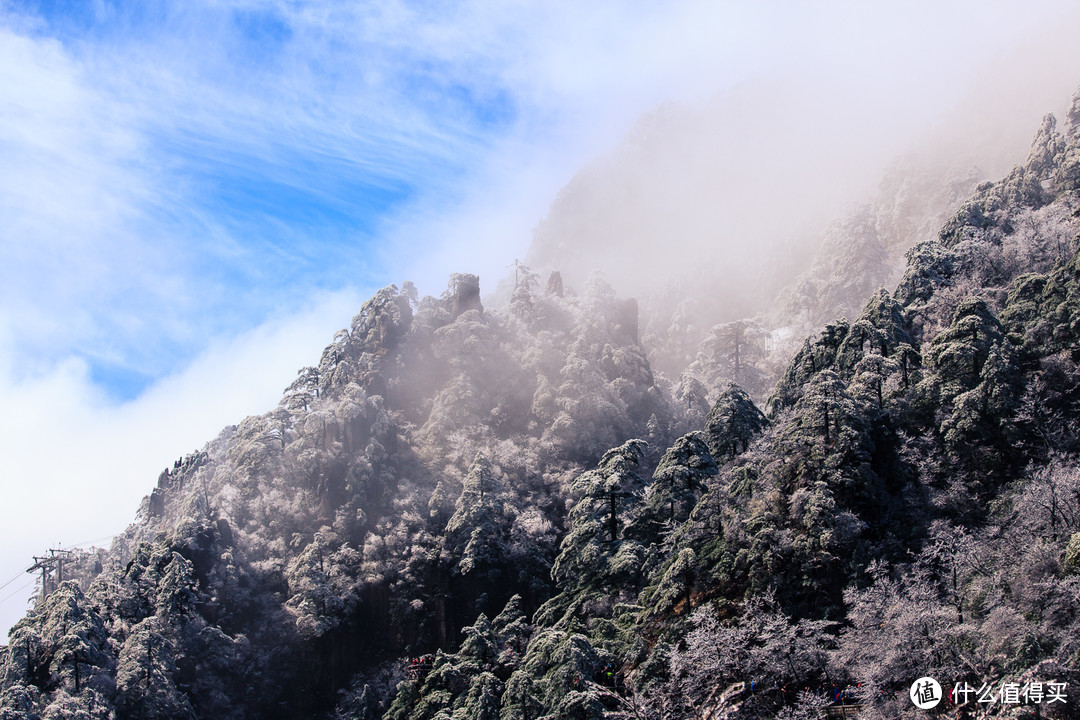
(242, 155)
(195, 195)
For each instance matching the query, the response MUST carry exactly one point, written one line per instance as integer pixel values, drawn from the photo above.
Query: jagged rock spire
(1072, 118)
(1046, 147)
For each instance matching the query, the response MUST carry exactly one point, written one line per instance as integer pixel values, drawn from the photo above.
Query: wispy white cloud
(156, 170)
(164, 155)
(64, 160)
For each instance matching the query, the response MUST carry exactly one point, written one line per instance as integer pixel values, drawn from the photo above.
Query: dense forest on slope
(468, 514)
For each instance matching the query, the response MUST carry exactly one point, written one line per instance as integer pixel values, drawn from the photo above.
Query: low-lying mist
(728, 199)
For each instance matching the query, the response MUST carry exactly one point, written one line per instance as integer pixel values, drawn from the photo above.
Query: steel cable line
(11, 581)
(8, 597)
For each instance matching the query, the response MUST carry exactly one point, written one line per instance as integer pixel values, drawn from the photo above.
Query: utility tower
(52, 569)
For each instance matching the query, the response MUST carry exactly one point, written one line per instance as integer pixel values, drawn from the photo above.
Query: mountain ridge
(524, 481)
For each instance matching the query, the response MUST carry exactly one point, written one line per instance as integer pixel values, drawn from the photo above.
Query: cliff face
(463, 512)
